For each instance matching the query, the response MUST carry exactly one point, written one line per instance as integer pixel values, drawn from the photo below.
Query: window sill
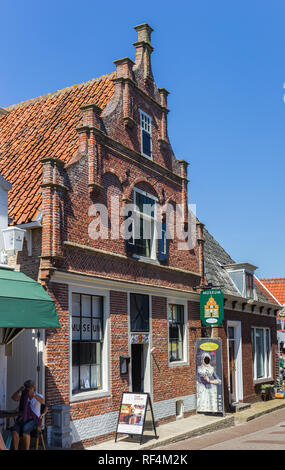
(83, 396)
(145, 259)
(261, 381)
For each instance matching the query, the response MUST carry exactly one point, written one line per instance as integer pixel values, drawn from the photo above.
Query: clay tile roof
(276, 287)
(43, 127)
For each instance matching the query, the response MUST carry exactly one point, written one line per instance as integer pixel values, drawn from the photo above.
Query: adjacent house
(249, 329)
(26, 310)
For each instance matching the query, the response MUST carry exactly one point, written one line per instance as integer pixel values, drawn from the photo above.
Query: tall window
(146, 142)
(144, 233)
(261, 353)
(87, 338)
(139, 312)
(176, 327)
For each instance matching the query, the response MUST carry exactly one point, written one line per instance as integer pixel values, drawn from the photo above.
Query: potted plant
(267, 391)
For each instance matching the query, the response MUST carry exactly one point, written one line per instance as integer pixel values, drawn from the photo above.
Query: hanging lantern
(13, 238)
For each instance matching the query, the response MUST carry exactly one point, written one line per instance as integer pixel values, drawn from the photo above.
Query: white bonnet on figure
(203, 357)
(205, 367)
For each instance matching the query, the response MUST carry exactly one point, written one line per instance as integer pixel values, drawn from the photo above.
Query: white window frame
(147, 127)
(153, 255)
(105, 390)
(185, 359)
(266, 365)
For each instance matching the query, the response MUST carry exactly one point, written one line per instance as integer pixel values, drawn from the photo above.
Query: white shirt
(36, 405)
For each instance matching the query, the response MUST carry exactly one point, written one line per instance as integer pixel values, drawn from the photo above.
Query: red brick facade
(105, 160)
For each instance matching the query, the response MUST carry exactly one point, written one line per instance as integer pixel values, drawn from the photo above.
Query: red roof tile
(38, 128)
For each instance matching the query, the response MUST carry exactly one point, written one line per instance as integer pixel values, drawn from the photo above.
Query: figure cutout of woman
(207, 382)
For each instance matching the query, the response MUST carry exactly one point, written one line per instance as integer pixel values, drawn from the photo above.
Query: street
(264, 433)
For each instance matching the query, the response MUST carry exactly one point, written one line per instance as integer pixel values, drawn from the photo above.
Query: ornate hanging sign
(212, 307)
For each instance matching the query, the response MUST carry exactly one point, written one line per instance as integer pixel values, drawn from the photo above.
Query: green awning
(24, 303)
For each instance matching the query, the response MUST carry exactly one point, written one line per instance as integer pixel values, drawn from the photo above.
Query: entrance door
(235, 362)
(137, 368)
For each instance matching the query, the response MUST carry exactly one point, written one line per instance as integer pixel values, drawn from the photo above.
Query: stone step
(242, 406)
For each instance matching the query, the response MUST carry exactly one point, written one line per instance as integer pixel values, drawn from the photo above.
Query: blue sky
(223, 63)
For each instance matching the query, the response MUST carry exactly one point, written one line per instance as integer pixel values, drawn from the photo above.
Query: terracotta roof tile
(41, 127)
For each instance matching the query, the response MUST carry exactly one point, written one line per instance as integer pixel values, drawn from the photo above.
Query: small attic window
(242, 276)
(146, 137)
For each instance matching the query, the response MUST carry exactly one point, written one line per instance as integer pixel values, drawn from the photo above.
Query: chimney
(144, 49)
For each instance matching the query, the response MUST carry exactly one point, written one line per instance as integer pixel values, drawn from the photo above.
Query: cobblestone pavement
(264, 433)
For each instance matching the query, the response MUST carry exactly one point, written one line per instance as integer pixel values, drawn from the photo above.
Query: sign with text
(212, 307)
(132, 414)
(209, 375)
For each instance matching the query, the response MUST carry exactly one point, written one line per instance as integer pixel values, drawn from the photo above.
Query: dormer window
(242, 276)
(249, 285)
(146, 141)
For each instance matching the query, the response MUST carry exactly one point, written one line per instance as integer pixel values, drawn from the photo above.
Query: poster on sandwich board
(132, 415)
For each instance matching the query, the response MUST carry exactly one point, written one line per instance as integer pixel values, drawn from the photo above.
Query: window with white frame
(145, 227)
(176, 332)
(261, 353)
(87, 340)
(146, 138)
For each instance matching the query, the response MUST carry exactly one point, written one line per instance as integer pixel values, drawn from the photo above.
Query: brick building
(248, 332)
(106, 142)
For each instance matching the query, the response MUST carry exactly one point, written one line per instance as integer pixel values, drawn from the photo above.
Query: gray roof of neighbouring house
(215, 258)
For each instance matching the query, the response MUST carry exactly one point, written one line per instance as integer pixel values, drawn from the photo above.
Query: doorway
(235, 362)
(232, 365)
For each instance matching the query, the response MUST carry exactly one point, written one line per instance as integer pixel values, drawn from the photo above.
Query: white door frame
(148, 383)
(238, 359)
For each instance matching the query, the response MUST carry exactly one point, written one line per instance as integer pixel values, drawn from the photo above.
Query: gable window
(261, 353)
(144, 233)
(146, 140)
(87, 339)
(176, 327)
